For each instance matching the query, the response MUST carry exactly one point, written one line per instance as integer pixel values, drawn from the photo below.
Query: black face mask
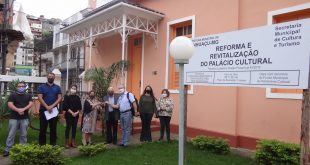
(91, 97)
(50, 80)
(148, 91)
(111, 94)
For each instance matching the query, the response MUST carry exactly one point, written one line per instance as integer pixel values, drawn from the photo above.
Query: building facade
(75, 57)
(141, 31)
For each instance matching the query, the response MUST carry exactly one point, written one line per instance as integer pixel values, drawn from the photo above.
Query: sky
(52, 8)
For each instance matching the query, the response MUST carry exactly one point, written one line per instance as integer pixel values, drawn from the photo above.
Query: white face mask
(164, 95)
(121, 90)
(73, 91)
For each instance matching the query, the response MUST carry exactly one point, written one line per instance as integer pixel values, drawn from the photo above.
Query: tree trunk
(304, 136)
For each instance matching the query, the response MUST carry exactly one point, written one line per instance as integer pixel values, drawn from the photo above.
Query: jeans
(146, 119)
(126, 119)
(43, 127)
(14, 124)
(111, 124)
(165, 124)
(71, 122)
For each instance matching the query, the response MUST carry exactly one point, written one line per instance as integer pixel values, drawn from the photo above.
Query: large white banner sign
(269, 56)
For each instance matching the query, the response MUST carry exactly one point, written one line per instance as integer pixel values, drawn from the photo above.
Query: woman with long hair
(147, 106)
(72, 107)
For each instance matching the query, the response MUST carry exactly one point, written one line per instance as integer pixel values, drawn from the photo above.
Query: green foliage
(270, 152)
(2, 149)
(92, 150)
(12, 85)
(33, 154)
(102, 77)
(214, 145)
(4, 109)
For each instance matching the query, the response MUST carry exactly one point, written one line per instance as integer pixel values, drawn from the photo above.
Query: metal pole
(181, 114)
(67, 78)
(40, 67)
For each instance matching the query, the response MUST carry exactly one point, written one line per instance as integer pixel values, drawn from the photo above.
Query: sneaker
(6, 153)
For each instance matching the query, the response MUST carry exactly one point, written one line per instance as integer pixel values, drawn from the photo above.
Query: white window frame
(270, 16)
(169, 24)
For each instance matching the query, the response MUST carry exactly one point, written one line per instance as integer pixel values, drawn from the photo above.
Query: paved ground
(134, 140)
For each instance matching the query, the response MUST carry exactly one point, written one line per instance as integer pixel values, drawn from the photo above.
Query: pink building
(141, 30)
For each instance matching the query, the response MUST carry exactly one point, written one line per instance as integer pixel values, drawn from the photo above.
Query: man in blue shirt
(124, 104)
(49, 97)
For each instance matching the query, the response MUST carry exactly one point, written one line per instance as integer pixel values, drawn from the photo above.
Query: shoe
(160, 139)
(6, 153)
(73, 145)
(67, 144)
(121, 145)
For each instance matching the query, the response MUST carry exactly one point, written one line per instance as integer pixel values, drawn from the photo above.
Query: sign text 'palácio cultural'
(269, 56)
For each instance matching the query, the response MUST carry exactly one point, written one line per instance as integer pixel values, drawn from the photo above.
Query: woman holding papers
(72, 106)
(91, 107)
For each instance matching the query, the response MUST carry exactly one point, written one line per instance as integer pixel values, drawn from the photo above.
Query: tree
(102, 77)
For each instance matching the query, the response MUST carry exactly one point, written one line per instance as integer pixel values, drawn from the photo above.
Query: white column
(90, 43)
(123, 47)
(67, 61)
(142, 64)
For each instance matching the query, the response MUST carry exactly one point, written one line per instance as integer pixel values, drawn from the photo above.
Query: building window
(57, 37)
(179, 29)
(281, 18)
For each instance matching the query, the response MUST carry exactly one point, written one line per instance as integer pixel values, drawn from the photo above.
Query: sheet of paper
(53, 114)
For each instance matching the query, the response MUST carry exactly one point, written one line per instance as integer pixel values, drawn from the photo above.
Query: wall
(241, 114)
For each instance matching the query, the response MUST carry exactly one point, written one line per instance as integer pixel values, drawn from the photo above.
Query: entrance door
(134, 58)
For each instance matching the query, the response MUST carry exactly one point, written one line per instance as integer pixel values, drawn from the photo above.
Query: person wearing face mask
(49, 97)
(147, 106)
(72, 106)
(90, 111)
(19, 103)
(111, 116)
(125, 103)
(165, 107)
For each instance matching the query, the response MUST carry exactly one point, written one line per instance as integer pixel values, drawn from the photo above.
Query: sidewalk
(135, 139)
(72, 152)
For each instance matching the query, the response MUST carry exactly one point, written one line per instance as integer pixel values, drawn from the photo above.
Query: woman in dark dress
(147, 106)
(72, 106)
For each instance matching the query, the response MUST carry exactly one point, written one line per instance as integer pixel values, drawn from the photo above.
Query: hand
(20, 111)
(49, 109)
(137, 114)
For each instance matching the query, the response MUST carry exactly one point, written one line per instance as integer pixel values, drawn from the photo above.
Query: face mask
(73, 91)
(50, 80)
(21, 89)
(122, 90)
(110, 93)
(164, 95)
(92, 96)
(148, 91)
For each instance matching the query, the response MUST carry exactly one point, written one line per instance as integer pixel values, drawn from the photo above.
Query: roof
(13, 34)
(109, 5)
(114, 2)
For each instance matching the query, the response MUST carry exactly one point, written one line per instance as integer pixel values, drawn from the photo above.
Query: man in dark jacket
(111, 116)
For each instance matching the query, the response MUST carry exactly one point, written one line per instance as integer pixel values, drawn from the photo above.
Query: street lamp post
(181, 49)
